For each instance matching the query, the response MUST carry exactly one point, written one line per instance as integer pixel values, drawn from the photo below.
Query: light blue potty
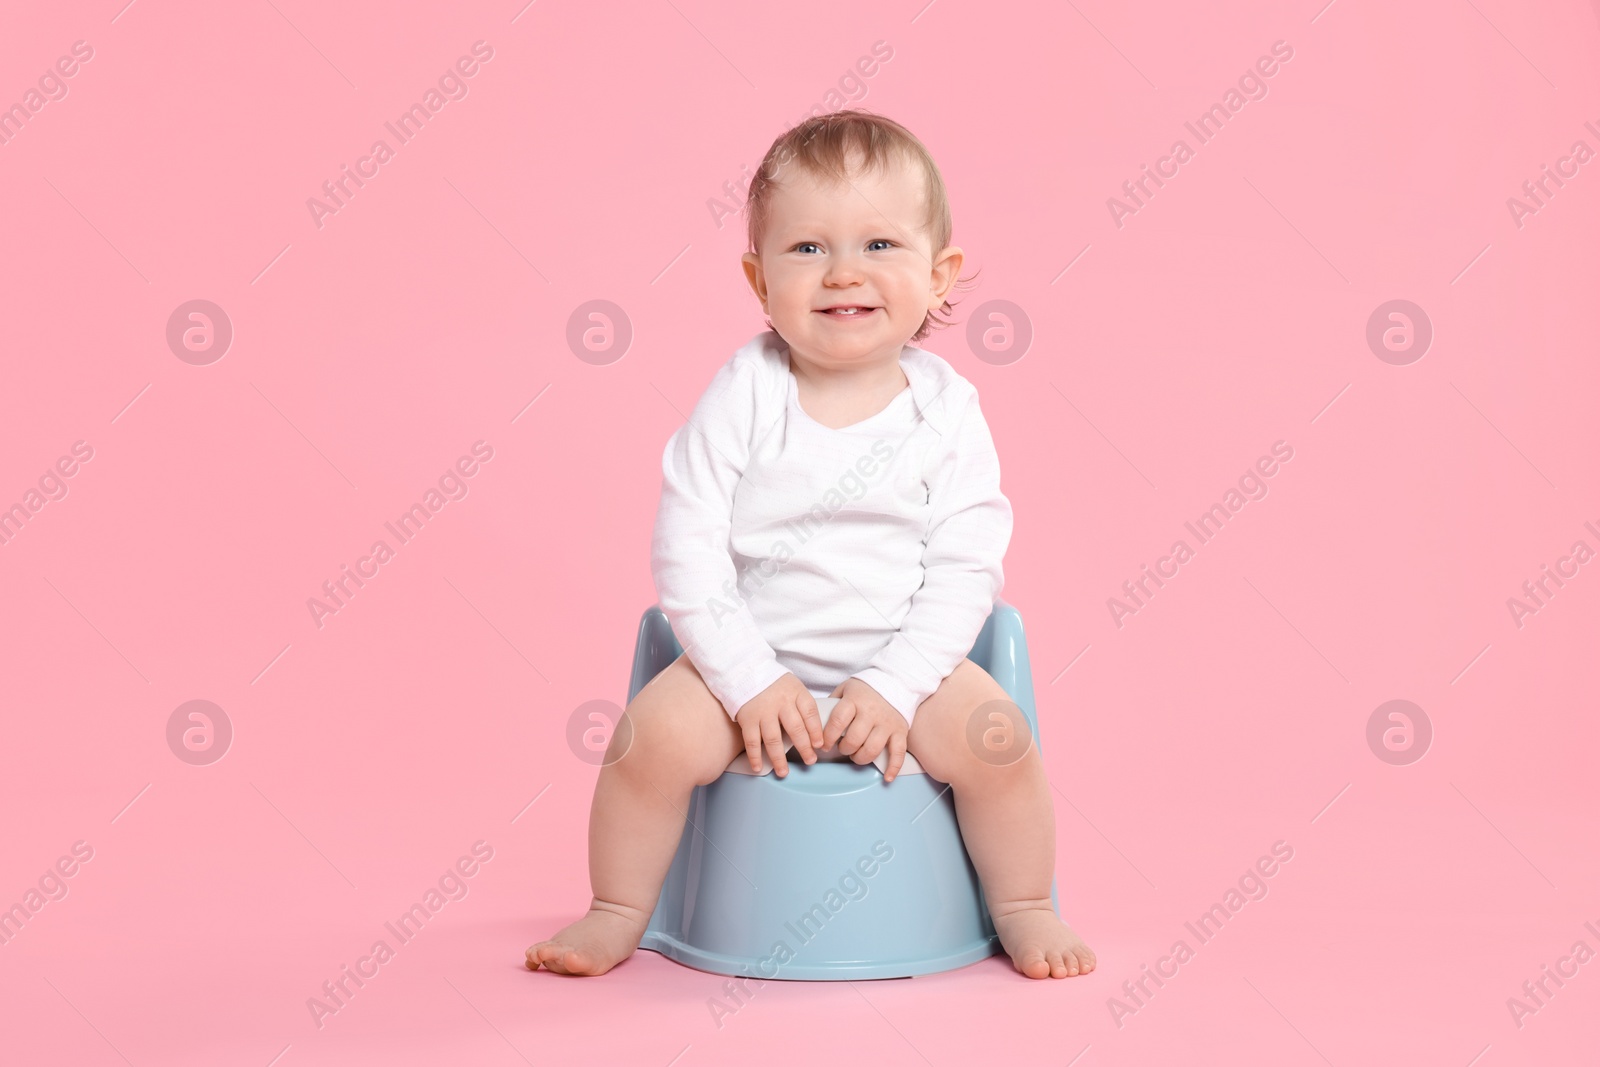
(828, 873)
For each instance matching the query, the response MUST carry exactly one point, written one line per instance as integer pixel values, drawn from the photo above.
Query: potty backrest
(654, 651)
(1002, 650)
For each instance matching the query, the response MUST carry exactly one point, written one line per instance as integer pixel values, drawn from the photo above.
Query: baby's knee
(663, 741)
(978, 758)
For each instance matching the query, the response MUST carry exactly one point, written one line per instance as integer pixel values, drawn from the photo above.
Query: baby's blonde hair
(821, 146)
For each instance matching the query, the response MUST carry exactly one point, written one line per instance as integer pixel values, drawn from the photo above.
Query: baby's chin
(838, 346)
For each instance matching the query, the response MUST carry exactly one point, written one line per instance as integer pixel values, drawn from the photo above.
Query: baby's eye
(880, 241)
(806, 244)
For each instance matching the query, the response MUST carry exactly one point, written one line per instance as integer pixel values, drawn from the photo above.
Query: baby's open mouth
(849, 311)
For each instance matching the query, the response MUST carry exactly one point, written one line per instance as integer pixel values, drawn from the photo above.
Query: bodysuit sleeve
(690, 555)
(968, 533)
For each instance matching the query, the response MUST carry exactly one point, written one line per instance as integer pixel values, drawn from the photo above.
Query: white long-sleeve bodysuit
(872, 551)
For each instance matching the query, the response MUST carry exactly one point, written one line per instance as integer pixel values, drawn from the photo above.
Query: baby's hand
(785, 703)
(863, 723)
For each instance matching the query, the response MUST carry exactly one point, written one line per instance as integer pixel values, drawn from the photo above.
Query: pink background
(368, 354)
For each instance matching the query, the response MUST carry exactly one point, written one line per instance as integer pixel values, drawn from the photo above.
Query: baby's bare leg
(1007, 821)
(680, 737)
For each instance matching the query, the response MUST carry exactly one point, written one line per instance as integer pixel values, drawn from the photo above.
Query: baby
(832, 510)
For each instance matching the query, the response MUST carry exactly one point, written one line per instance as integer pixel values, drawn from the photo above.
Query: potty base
(690, 956)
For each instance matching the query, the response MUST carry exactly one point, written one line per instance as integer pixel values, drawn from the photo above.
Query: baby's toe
(1058, 969)
(1033, 964)
(550, 955)
(566, 960)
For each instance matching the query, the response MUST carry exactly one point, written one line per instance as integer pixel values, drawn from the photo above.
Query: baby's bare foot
(593, 945)
(1041, 945)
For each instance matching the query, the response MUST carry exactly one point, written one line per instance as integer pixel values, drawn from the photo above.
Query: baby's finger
(811, 719)
(772, 738)
(798, 734)
(897, 756)
(872, 745)
(856, 735)
(838, 722)
(752, 745)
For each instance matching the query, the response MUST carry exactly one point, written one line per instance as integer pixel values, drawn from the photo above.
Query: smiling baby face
(863, 245)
